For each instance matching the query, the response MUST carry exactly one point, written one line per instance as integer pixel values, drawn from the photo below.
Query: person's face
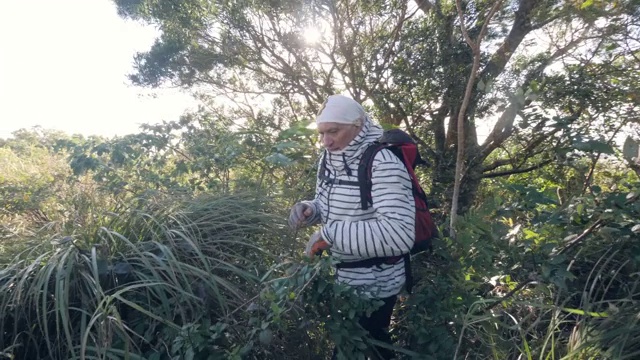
(336, 136)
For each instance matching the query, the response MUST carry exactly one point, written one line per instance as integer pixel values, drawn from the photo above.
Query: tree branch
(581, 237)
(475, 47)
(526, 152)
(389, 45)
(418, 139)
(520, 28)
(509, 294)
(516, 171)
(496, 164)
(587, 181)
(501, 130)
(504, 126)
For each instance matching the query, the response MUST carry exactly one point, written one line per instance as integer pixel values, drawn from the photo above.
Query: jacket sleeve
(392, 231)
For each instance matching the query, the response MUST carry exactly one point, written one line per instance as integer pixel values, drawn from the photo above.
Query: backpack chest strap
(334, 181)
(364, 174)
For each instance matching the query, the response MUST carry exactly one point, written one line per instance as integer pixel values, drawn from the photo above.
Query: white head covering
(341, 109)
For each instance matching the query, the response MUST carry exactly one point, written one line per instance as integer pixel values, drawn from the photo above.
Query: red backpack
(401, 144)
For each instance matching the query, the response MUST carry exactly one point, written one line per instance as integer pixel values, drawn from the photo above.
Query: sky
(64, 66)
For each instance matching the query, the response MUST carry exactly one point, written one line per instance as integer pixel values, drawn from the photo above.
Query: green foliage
(174, 273)
(309, 313)
(25, 178)
(408, 63)
(206, 151)
(159, 266)
(557, 268)
(426, 321)
(38, 197)
(155, 245)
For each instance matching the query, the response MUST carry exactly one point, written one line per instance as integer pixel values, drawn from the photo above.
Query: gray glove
(300, 215)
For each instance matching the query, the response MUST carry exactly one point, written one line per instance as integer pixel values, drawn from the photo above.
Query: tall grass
(594, 313)
(124, 285)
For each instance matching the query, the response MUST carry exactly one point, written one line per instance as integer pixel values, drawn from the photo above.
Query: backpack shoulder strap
(365, 172)
(322, 171)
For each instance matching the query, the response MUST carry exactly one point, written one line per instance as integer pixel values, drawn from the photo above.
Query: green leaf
(631, 150)
(534, 86)
(266, 336)
(519, 96)
(189, 354)
(546, 271)
(594, 146)
(287, 145)
(103, 266)
(608, 232)
(278, 159)
(181, 166)
(586, 4)
(557, 260)
(586, 313)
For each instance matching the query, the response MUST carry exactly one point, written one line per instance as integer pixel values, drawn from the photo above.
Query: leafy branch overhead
(408, 62)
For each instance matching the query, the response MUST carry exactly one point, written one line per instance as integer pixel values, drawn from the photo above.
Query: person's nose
(327, 141)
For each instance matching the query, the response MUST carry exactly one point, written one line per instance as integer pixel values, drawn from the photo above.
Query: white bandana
(341, 109)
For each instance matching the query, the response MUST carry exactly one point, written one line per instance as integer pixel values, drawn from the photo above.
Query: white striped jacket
(387, 228)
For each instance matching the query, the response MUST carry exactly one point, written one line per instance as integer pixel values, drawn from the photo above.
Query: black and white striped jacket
(387, 228)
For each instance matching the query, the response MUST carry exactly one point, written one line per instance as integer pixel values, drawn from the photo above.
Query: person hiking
(353, 235)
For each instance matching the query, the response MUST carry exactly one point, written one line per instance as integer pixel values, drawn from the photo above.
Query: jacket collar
(370, 133)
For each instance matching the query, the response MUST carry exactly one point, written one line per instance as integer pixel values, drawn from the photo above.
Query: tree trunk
(442, 181)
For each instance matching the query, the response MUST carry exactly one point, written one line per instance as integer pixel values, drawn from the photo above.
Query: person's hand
(300, 212)
(315, 245)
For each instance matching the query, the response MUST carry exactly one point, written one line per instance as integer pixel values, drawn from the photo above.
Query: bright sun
(312, 35)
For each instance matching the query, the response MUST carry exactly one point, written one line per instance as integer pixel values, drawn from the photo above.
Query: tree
(409, 63)
(204, 151)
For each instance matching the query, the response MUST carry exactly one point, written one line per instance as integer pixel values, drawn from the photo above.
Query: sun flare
(312, 35)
